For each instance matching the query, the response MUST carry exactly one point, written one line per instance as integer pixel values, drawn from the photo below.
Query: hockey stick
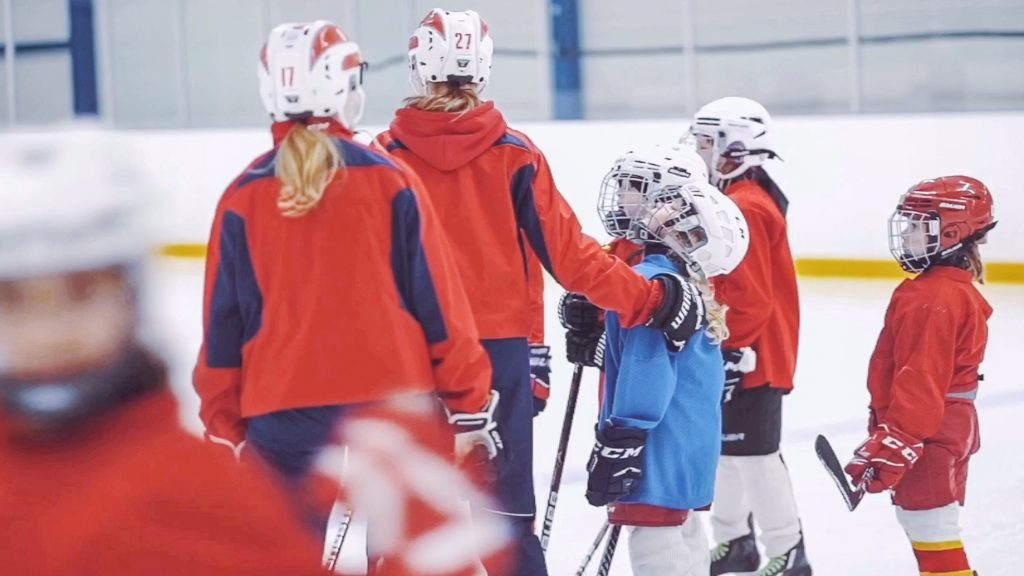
(339, 541)
(851, 494)
(609, 552)
(593, 549)
(563, 447)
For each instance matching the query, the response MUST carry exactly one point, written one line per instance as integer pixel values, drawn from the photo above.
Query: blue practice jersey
(676, 397)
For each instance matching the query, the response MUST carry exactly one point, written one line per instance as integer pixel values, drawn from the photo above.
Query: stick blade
(830, 461)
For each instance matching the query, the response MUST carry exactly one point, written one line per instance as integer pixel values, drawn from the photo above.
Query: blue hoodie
(676, 397)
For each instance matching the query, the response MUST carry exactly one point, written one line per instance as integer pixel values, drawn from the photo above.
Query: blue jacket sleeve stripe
(236, 307)
(411, 269)
(527, 217)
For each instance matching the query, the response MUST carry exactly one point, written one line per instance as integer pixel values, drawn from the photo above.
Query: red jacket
(489, 184)
(293, 320)
(929, 350)
(761, 293)
(133, 494)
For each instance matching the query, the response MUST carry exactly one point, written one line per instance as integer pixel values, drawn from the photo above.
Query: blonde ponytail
(718, 329)
(446, 98)
(307, 161)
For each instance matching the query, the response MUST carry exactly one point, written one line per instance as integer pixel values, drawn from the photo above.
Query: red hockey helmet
(936, 217)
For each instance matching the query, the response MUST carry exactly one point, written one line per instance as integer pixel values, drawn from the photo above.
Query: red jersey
(292, 319)
(133, 494)
(929, 350)
(761, 293)
(491, 188)
(394, 459)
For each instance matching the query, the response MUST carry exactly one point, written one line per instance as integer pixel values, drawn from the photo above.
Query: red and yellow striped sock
(942, 558)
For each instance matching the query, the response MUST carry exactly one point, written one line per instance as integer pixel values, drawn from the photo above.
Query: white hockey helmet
(312, 69)
(731, 134)
(625, 187)
(71, 203)
(698, 223)
(452, 47)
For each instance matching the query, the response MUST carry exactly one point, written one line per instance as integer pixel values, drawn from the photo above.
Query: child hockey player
(658, 437)
(98, 477)
(923, 375)
(732, 134)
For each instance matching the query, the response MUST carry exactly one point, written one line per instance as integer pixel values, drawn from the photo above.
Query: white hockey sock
(696, 542)
(731, 507)
(669, 550)
(935, 525)
(770, 493)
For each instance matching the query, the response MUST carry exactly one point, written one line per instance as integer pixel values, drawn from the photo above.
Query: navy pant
(289, 442)
(513, 490)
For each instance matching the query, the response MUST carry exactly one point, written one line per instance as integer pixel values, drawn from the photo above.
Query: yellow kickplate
(995, 272)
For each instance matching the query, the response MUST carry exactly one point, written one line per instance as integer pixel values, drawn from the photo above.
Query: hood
(330, 125)
(449, 140)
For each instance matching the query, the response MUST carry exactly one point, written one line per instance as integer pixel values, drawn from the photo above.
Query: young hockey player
(923, 375)
(494, 195)
(732, 134)
(329, 283)
(659, 433)
(97, 476)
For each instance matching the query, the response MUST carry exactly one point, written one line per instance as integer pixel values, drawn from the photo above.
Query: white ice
(839, 323)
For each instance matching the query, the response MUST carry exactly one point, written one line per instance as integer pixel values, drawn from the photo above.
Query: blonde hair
(307, 161)
(718, 329)
(443, 97)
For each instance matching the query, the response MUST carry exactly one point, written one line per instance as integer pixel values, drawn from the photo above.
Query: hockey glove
(738, 361)
(584, 324)
(681, 312)
(889, 453)
(577, 313)
(477, 431)
(540, 376)
(616, 464)
(585, 349)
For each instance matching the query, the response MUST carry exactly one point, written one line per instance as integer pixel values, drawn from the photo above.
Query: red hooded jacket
(292, 319)
(492, 188)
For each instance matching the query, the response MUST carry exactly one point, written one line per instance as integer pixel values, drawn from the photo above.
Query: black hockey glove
(577, 313)
(585, 349)
(540, 376)
(616, 464)
(584, 324)
(681, 313)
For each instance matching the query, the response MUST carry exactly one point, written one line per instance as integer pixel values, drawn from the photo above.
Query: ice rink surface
(839, 323)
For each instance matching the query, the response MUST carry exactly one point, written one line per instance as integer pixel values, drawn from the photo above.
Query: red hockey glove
(889, 452)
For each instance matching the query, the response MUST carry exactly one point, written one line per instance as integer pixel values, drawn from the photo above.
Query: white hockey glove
(743, 360)
(474, 431)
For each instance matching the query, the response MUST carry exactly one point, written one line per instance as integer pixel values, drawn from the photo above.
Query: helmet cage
(623, 192)
(670, 218)
(915, 239)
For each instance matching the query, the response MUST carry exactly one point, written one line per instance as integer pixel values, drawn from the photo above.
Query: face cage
(914, 239)
(623, 193)
(672, 220)
(715, 153)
